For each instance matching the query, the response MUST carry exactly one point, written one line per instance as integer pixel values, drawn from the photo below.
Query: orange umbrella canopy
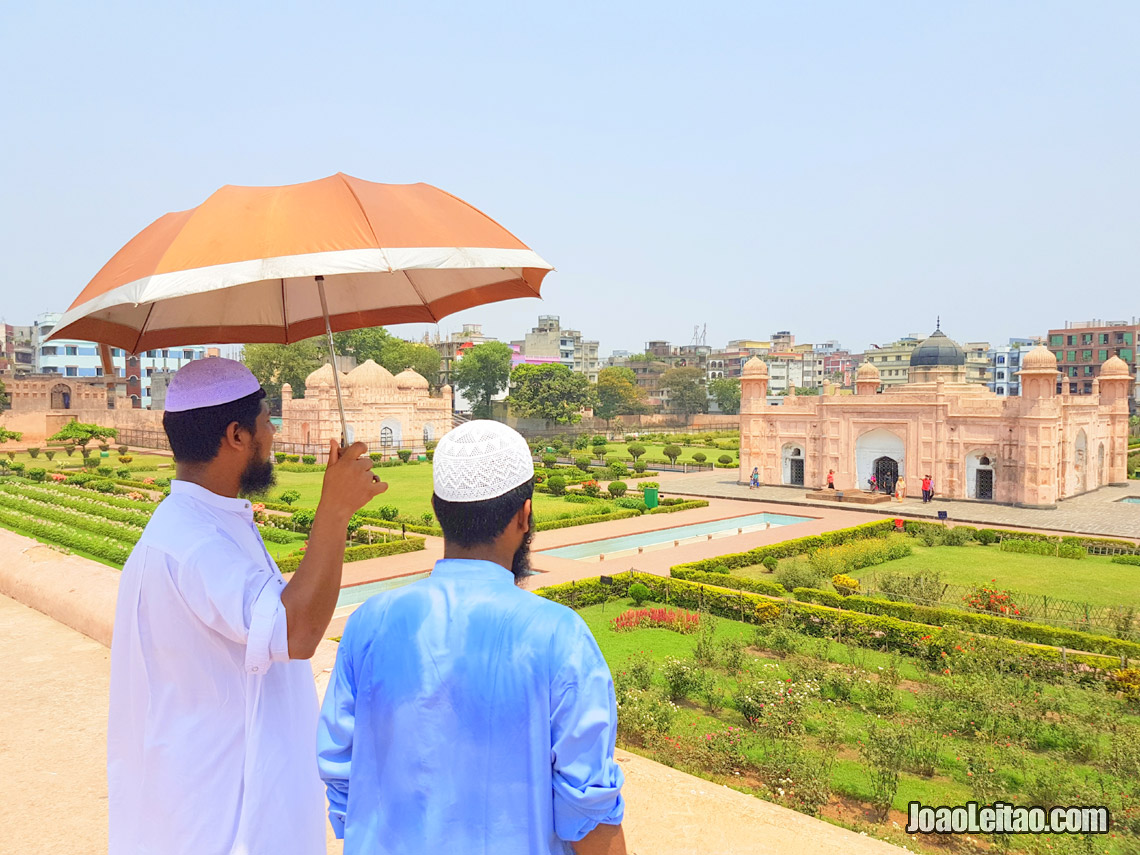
(242, 266)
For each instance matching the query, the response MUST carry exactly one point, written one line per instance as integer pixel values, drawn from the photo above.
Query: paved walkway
(53, 793)
(1100, 512)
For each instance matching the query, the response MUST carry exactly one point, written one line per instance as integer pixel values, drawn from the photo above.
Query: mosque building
(387, 411)
(1032, 450)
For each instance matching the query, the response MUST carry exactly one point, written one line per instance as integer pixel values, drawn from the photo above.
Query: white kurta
(212, 729)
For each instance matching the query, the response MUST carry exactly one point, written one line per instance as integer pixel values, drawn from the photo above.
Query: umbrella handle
(332, 356)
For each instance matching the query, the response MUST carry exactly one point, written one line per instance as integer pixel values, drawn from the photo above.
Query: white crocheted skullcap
(480, 460)
(209, 382)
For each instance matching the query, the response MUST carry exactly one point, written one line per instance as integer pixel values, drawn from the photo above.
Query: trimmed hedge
(359, 553)
(550, 525)
(66, 535)
(724, 580)
(799, 546)
(1040, 547)
(680, 506)
(50, 513)
(90, 506)
(1126, 559)
(977, 622)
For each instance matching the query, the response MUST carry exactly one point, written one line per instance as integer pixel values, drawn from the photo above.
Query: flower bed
(677, 620)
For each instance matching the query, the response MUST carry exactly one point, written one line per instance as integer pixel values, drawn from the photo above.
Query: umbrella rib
(284, 313)
(142, 329)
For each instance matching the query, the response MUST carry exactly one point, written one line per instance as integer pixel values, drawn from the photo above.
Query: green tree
(686, 393)
(3, 394)
(726, 390)
(619, 394)
(277, 364)
(82, 433)
(482, 373)
(6, 435)
(551, 391)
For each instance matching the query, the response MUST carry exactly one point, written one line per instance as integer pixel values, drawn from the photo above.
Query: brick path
(1100, 512)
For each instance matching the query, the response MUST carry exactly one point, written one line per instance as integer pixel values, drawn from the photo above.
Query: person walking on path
(754, 479)
(465, 715)
(900, 489)
(213, 710)
(927, 490)
(831, 479)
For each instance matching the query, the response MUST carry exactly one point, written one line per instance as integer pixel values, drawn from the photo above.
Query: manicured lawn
(409, 489)
(1094, 580)
(654, 451)
(139, 460)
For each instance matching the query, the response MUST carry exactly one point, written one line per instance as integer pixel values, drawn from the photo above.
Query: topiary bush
(70, 449)
(35, 452)
(724, 458)
(37, 474)
(699, 457)
(123, 472)
(289, 497)
(986, 536)
(49, 454)
(125, 459)
(279, 456)
(639, 467)
(617, 488)
(105, 471)
(404, 454)
(583, 463)
(844, 585)
(770, 563)
(618, 470)
(638, 593)
(557, 485)
(309, 459)
(672, 452)
(123, 449)
(549, 460)
(90, 462)
(636, 450)
(292, 458)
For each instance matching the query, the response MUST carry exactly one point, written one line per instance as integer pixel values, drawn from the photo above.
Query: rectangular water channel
(354, 595)
(632, 544)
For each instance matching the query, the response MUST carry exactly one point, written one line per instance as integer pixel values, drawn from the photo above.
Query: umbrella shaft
(332, 356)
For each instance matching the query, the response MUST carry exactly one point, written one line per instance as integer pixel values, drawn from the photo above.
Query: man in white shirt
(213, 709)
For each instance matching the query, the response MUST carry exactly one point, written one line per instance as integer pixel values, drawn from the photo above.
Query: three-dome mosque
(1030, 450)
(387, 411)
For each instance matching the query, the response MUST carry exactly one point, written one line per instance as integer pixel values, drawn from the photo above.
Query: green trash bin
(650, 497)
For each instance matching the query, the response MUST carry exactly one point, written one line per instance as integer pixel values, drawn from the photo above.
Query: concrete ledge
(76, 592)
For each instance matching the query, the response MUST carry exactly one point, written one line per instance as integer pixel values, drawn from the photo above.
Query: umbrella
(281, 264)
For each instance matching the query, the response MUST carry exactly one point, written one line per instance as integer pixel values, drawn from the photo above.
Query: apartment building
(1081, 347)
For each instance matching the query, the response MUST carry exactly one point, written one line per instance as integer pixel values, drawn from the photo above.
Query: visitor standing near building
(926, 488)
(213, 710)
(464, 714)
(754, 479)
(900, 489)
(831, 479)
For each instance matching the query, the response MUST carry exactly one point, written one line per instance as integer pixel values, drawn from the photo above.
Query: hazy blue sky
(843, 170)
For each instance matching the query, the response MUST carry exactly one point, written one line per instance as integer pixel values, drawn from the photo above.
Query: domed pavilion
(1031, 450)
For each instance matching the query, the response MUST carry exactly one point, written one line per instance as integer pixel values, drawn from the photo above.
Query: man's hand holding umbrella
(310, 597)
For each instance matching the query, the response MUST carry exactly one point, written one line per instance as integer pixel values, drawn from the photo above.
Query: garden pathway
(1100, 512)
(53, 794)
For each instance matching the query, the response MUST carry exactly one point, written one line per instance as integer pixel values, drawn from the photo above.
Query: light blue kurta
(467, 716)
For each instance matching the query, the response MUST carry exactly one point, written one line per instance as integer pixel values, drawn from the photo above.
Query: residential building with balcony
(549, 341)
(1078, 345)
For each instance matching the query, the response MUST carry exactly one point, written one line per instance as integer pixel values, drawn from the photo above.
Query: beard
(520, 563)
(258, 476)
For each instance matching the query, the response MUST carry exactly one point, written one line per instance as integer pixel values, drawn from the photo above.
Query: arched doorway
(429, 434)
(61, 397)
(1080, 461)
(979, 476)
(881, 453)
(793, 468)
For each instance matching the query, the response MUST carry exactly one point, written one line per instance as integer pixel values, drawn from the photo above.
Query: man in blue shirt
(466, 716)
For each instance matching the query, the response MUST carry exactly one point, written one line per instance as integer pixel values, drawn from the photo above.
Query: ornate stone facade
(387, 412)
(1031, 450)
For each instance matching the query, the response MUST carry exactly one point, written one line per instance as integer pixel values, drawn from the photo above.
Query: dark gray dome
(937, 350)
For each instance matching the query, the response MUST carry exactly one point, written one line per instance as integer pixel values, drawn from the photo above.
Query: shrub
(583, 463)
(1040, 547)
(639, 467)
(123, 473)
(1126, 559)
(986, 536)
(557, 485)
(50, 454)
(684, 679)
(388, 512)
(90, 462)
(105, 471)
(581, 442)
(618, 470)
(309, 459)
(70, 449)
(885, 751)
(102, 486)
(591, 489)
(598, 440)
(360, 553)
(35, 452)
(289, 497)
(957, 536)
(636, 450)
(638, 593)
(292, 458)
(989, 598)
(125, 459)
(632, 503)
(37, 474)
(724, 459)
(376, 456)
(123, 449)
(303, 518)
(923, 587)
(844, 585)
(799, 574)
(699, 457)
(617, 488)
(672, 452)
(104, 446)
(549, 460)
(770, 563)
